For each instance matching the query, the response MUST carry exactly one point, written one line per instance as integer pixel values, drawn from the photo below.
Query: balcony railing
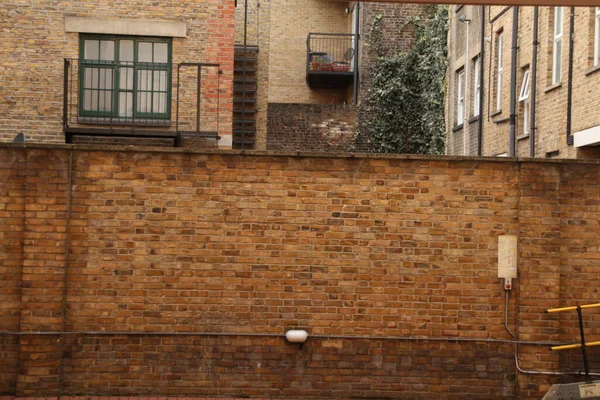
(330, 59)
(154, 100)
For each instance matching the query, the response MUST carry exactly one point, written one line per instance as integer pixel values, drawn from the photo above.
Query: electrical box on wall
(507, 259)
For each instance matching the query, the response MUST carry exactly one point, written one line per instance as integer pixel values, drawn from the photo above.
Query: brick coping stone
(271, 153)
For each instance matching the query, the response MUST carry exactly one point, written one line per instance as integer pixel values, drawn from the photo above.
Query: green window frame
(125, 78)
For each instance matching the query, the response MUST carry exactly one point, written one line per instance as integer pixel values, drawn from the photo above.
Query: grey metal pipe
(513, 84)
(532, 372)
(481, 85)
(570, 77)
(533, 97)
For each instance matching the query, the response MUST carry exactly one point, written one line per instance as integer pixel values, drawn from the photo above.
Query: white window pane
(92, 50)
(145, 52)
(144, 81)
(160, 52)
(91, 78)
(105, 101)
(126, 50)
(125, 104)
(126, 78)
(88, 99)
(144, 102)
(106, 78)
(160, 81)
(159, 104)
(524, 93)
(558, 20)
(557, 70)
(107, 50)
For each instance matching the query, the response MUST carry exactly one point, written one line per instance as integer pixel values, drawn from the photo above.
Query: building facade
(81, 70)
(308, 68)
(523, 81)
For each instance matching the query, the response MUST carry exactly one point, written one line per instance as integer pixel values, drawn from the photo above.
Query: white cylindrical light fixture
(296, 336)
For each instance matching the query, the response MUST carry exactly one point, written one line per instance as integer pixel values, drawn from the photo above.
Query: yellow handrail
(573, 308)
(574, 346)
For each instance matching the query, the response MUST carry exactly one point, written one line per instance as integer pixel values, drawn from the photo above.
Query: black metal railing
(119, 96)
(330, 52)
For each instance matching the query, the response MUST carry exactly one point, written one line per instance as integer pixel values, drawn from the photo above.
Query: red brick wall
(357, 251)
(314, 127)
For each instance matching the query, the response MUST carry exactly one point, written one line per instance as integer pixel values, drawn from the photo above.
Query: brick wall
(35, 43)
(195, 253)
(394, 34)
(314, 127)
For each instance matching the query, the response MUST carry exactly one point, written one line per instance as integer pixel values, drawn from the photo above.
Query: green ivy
(406, 100)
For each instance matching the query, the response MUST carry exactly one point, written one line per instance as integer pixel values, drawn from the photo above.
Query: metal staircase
(245, 86)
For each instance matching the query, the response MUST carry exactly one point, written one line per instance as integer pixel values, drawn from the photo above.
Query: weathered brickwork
(314, 127)
(199, 251)
(551, 99)
(35, 44)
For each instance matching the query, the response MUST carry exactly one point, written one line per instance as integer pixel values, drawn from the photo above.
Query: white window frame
(499, 69)
(476, 85)
(524, 98)
(460, 97)
(597, 37)
(557, 44)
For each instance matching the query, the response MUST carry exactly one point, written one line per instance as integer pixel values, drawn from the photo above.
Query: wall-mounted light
(296, 336)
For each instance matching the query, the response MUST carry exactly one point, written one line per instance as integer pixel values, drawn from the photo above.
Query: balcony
(141, 100)
(330, 60)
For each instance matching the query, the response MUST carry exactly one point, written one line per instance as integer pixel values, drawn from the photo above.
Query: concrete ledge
(587, 137)
(125, 27)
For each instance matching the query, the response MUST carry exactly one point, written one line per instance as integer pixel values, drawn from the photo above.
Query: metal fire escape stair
(245, 85)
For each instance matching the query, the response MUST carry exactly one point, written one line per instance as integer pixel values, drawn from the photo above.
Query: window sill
(473, 119)
(497, 112)
(523, 136)
(501, 121)
(457, 128)
(592, 70)
(553, 87)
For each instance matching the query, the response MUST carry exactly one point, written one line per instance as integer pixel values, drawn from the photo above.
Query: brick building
(307, 68)
(554, 85)
(78, 69)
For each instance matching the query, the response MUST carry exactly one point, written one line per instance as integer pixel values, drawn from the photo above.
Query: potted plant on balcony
(321, 63)
(341, 66)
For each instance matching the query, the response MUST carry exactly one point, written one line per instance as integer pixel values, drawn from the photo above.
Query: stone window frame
(558, 17)
(524, 99)
(476, 84)
(460, 96)
(596, 41)
(115, 88)
(499, 68)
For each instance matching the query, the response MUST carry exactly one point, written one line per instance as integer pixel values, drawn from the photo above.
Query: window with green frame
(124, 77)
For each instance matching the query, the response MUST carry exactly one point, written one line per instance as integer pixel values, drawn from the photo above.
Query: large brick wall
(35, 43)
(314, 127)
(181, 271)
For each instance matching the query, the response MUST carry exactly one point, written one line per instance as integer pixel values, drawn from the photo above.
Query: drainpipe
(356, 39)
(513, 83)
(466, 94)
(532, 129)
(481, 58)
(570, 78)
